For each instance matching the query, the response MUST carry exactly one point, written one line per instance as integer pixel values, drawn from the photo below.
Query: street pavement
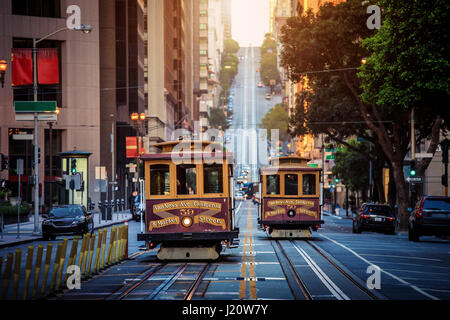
(254, 271)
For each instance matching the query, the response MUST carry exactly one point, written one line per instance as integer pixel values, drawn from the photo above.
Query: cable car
(290, 199)
(189, 190)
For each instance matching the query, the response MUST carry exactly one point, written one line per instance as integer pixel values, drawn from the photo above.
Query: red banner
(48, 66)
(22, 67)
(131, 147)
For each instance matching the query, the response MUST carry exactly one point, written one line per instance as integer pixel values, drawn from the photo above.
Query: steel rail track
(137, 284)
(191, 291)
(291, 273)
(344, 273)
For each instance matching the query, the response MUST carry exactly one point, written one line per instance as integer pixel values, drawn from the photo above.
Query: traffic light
(336, 180)
(412, 170)
(39, 154)
(73, 167)
(5, 162)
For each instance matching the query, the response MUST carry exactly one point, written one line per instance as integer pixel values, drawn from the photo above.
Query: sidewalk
(342, 214)
(26, 229)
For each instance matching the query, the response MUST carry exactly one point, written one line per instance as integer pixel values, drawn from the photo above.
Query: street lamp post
(85, 29)
(3, 67)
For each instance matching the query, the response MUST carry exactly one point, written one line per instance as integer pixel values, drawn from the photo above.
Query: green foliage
(217, 119)
(8, 209)
(230, 46)
(229, 68)
(269, 61)
(277, 118)
(409, 63)
(352, 167)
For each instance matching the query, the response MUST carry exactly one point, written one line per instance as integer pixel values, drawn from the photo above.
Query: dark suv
(374, 217)
(431, 216)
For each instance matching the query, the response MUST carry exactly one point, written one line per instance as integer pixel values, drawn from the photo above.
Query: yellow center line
(252, 258)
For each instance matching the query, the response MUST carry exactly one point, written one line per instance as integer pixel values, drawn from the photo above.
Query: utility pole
(445, 144)
(36, 143)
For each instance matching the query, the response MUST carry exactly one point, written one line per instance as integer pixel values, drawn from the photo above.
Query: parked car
(374, 217)
(256, 198)
(137, 208)
(431, 216)
(67, 220)
(239, 196)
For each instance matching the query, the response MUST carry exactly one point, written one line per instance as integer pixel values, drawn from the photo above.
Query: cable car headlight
(187, 222)
(291, 213)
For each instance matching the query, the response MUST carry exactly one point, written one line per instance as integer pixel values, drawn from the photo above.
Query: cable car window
(213, 178)
(273, 184)
(309, 184)
(291, 184)
(159, 180)
(186, 179)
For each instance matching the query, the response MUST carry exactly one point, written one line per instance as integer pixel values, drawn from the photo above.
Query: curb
(20, 242)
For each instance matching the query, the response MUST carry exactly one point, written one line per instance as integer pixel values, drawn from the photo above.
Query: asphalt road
(249, 106)
(258, 269)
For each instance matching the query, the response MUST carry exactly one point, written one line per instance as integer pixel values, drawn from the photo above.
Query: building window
(186, 179)
(273, 184)
(203, 52)
(159, 180)
(203, 13)
(37, 8)
(309, 184)
(213, 178)
(203, 26)
(291, 184)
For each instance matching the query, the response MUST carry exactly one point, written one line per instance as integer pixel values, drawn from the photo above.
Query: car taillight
(364, 216)
(419, 212)
(391, 219)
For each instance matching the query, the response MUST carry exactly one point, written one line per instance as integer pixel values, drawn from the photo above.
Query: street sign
(22, 137)
(75, 178)
(100, 185)
(424, 155)
(19, 167)
(41, 117)
(414, 179)
(34, 106)
(330, 157)
(313, 165)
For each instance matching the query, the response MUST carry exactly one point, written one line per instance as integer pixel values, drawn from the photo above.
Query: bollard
(48, 260)
(7, 275)
(56, 267)
(105, 234)
(114, 255)
(85, 254)
(72, 256)
(98, 252)
(17, 261)
(119, 244)
(110, 248)
(28, 268)
(83, 244)
(37, 270)
(91, 252)
(126, 240)
(61, 264)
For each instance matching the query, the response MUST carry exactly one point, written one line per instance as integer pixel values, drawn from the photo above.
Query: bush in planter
(10, 212)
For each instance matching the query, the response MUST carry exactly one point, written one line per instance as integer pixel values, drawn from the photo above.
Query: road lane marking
(331, 286)
(382, 270)
(403, 257)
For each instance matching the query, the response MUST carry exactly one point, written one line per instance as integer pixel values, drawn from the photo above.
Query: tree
(217, 119)
(277, 119)
(353, 168)
(269, 61)
(331, 40)
(230, 46)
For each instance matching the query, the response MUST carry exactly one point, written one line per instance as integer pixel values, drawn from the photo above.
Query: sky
(250, 21)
